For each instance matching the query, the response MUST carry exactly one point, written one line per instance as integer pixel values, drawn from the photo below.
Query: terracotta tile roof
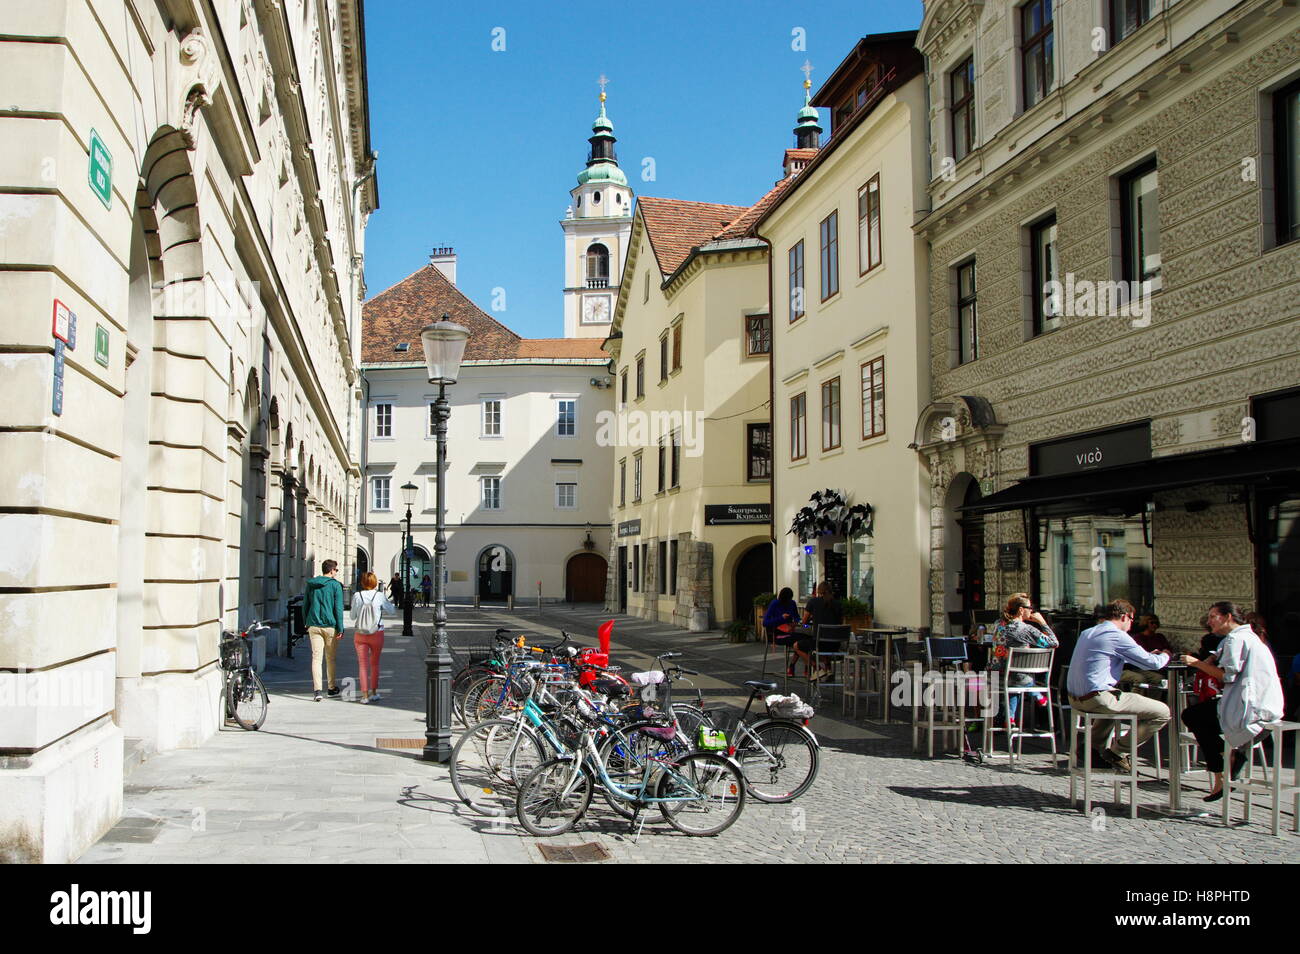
(744, 225)
(799, 154)
(675, 226)
(561, 348)
(396, 315)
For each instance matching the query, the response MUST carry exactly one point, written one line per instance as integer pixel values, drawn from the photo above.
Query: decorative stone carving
(196, 82)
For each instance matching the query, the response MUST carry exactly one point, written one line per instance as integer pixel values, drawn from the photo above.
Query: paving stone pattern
(311, 786)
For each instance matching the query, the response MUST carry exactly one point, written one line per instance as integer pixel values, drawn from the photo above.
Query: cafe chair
(1083, 722)
(944, 715)
(1247, 785)
(864, 677)
(1037, 665)
(830, 647)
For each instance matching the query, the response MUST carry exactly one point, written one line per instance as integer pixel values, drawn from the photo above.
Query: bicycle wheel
(554, 797)
(246, 699)
(461, 682)
(489, 682)
(778, 759)
(501, 700)
(490, 761)
(692, 718)
(624, 755)
(710, 792)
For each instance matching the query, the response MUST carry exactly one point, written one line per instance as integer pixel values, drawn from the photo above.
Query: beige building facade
(691, 433)
(1115, 351)
(191, 181)
(850, 369)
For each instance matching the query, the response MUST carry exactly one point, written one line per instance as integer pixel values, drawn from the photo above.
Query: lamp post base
(437, 733)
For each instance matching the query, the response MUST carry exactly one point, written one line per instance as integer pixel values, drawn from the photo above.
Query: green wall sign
(101, 170)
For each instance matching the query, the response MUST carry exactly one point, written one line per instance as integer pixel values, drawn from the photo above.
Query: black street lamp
(444, 347)
(409, 490)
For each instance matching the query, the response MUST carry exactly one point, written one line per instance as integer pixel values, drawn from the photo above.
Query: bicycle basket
(234, 652)
(788, 707)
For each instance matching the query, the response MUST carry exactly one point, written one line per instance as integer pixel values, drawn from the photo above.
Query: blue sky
(478, 148)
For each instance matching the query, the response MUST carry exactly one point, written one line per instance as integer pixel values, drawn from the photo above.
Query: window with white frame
(384, 420)
(566, 496)
(381, 489)
(567, 417)
(491, 417)
(491, 493)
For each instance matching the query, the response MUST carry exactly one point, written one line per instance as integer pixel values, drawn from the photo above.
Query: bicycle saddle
(761, 686)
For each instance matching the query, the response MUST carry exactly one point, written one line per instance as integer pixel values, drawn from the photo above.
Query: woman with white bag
(368, 607)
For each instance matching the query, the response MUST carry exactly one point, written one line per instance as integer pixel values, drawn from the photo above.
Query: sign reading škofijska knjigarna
(718, 514)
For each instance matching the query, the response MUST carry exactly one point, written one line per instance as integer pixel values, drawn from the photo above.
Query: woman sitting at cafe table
(1252, 693)
(1021, 626)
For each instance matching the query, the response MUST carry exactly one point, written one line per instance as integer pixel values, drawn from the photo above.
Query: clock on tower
(595, 310)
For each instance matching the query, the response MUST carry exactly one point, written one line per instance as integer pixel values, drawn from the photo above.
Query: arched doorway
(584, 578)
(753, 576)
(363, 566)
(496, 574)
(963, 549)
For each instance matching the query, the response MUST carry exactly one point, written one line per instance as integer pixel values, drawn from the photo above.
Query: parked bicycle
(242, 690)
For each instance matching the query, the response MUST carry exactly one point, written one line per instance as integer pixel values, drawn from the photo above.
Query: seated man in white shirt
(1095, 669)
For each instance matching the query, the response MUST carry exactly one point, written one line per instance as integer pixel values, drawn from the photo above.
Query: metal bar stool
(1274, 787)
(1083, 722)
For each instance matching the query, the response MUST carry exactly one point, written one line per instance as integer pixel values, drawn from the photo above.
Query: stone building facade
(1089, 439)
(192, 182)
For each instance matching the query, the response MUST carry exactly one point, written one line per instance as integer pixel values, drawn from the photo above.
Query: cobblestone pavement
(312, 787)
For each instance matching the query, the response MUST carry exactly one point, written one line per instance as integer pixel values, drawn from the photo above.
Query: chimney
(444, 260)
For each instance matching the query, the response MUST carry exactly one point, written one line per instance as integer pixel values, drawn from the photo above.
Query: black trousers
(1202, 720)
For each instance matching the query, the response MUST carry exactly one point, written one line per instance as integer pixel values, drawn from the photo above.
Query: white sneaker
(365, 701)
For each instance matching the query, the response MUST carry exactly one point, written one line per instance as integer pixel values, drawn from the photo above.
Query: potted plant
(760, 610)
(738, 631)
(857, 613)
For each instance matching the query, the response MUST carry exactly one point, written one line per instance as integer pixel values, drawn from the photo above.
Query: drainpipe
(771, 412)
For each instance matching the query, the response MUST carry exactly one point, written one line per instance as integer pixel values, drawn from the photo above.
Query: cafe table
(889, 634)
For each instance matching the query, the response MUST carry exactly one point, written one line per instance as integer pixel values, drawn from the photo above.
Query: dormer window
(402, 346)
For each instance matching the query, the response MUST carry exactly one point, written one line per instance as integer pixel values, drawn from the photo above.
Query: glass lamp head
(444, 347)
(409, 491)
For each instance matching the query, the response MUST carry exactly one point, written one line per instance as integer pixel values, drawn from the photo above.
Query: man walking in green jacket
(323, 617)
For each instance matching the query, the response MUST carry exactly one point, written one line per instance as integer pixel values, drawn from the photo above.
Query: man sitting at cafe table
(1095, 668)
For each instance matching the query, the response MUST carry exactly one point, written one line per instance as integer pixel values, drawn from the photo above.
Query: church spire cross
(807, 69)
(603, 81)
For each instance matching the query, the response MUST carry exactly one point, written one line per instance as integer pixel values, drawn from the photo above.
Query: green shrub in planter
(738, 631)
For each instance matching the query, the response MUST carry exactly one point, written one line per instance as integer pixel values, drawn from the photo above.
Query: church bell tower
(596, 226)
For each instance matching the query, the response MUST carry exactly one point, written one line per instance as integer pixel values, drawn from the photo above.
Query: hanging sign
(101, 345)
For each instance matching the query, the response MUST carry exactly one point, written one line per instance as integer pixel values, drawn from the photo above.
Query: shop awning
(1127, 488)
